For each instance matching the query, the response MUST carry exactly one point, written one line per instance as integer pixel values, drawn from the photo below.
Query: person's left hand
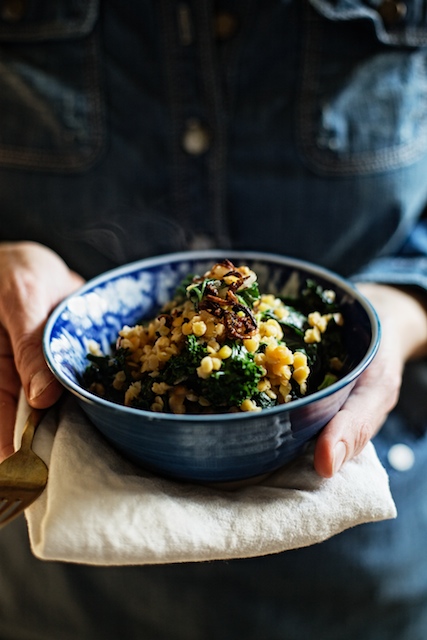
(403, 320)
(34, 279)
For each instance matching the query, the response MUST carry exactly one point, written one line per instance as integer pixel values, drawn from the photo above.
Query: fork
(23, 476)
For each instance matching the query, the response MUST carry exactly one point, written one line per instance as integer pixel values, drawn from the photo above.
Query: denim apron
(292, 126)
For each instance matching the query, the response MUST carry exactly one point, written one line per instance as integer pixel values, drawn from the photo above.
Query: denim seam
(214, 97)
(179, 193)
(406, 35)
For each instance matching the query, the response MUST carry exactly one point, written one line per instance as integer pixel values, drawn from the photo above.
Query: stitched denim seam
(215, 103)
(180, 196)
(402, 34)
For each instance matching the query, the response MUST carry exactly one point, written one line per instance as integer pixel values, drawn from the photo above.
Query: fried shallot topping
(221, 301)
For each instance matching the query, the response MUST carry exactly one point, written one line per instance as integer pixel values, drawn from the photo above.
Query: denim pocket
(50, 89)
(363, 92)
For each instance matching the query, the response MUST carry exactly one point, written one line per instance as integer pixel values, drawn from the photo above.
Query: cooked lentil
(220, 345)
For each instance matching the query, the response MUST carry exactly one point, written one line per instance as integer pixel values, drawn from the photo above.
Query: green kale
(181, 290)
(183, 366)
(314, 297)
(235, 381)
(196, 291)
(146, 397)
(249, 296)
(294, 326)
(103, 369)
(263, 400)
(329, 379)
(319, 355)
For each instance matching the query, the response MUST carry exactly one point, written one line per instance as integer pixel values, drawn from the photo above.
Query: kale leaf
(235, 381)
(183, 366)
(103, 369)
(249, 295)
(196, 291)
(181, 290)
(313, 297)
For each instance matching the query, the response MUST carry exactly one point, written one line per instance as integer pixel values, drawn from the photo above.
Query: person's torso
(282, 125)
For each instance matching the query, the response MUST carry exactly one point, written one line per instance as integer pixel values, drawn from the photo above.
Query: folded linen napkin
(100, 509)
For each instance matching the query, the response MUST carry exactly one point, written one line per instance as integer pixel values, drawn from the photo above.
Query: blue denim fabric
(311, 132)
(316, 114)
(58, 117)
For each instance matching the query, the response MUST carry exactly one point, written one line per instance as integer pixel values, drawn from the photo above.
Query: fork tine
(8, 510)
(5, 505)
(23, 476)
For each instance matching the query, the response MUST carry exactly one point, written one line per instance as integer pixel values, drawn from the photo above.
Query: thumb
(24, 324)
(40, 386)
(360, 418)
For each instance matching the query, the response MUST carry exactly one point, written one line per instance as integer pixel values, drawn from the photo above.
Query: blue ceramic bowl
(211, 448)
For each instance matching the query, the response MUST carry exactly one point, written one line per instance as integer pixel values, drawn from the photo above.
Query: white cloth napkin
(99, 509)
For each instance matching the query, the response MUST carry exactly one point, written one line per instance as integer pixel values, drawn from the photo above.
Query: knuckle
(358, 432)
(25, 346)
(16, 298)
(393, 383)
(363, 435)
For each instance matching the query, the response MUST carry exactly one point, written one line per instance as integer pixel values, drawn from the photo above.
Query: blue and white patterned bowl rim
(216, 255)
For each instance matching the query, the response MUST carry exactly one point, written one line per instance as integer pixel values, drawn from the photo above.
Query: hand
(403, 320)
(33, 281)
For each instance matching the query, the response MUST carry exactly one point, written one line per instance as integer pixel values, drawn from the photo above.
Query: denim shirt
(290, 126)
(129, 129)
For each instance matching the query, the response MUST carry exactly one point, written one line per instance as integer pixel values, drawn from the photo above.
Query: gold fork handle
(33, 421)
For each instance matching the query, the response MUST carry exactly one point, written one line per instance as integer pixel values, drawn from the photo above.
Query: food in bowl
(221, 345)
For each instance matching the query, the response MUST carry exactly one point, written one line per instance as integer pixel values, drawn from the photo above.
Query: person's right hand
(33, 280)
(403, 315)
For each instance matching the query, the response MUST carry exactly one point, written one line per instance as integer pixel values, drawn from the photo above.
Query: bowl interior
(131, 293)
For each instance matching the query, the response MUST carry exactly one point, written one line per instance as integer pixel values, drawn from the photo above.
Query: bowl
(204, 448)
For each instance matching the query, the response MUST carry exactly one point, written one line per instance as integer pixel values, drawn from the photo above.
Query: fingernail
(340, 452)
(39, 383)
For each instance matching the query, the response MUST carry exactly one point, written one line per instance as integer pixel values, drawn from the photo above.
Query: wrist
(404, 310)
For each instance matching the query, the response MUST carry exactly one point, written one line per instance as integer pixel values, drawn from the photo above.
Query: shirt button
(13, 10)
(225, 25)
(401, 457)
(196, 139)
(392, 11)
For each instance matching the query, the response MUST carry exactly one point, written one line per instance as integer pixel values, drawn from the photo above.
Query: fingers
(362, 415)
(9, 391)
(347, 434)
(40, 386)
(37, 280)
(34, 280)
